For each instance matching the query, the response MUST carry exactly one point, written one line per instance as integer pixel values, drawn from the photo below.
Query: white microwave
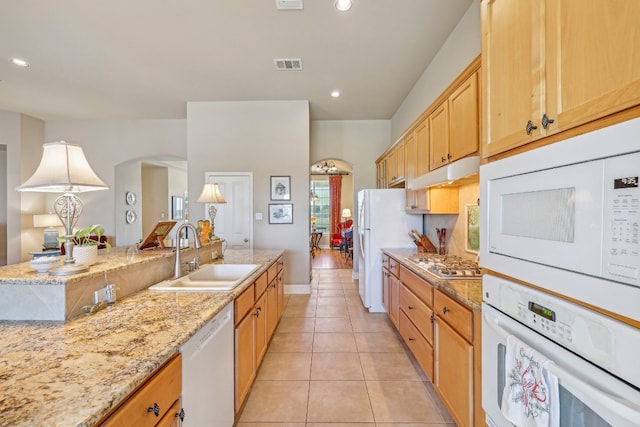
(566, 217)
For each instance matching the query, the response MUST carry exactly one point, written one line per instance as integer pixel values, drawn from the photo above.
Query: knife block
(425, 245)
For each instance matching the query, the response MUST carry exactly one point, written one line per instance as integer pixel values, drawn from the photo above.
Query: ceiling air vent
(290, 64)
(289, 5)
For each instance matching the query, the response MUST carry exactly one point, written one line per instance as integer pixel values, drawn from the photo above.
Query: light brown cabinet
(453, 367)
(391, 287)
(549, 66)
(155, 403)
(454, 131)
(257, 312)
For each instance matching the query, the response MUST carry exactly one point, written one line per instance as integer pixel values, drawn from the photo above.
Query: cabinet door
(272, 308)
(280, 294)
(400, 160)
(245, 358)
(454, 372)
(439, 136)
(261, 316)
(411, 169)
(512, 73)
(394, 299)
(463, 119)
(171, 418)
(385, 290)
(593, 59)
(392, 167)
(422, 142)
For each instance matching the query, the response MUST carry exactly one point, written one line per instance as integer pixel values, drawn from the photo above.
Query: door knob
(246, 240)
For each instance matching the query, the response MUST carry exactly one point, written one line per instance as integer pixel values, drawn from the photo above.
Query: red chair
(337, 238)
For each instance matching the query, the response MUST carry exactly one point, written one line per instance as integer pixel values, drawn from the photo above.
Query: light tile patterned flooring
(333, 364)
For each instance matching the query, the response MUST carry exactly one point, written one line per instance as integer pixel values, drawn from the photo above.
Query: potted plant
(86, 241)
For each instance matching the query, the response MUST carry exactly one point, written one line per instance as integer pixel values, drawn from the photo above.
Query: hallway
(333, 364)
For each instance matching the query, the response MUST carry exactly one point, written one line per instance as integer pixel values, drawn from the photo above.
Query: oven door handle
(588, 393)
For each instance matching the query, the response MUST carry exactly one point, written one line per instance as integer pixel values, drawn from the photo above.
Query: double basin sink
(212, 277)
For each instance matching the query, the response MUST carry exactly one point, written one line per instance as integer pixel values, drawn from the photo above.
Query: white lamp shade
(211, 194)
(63, 168)
(46, 220)
(346, 213)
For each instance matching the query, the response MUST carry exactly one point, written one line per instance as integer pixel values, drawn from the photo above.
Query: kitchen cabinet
(550, 66)
(415, 318)
(454, 355)
(390, 288)
(257, 312)
(453, 125)
(155, 403)
(381, 169)
(395, 165)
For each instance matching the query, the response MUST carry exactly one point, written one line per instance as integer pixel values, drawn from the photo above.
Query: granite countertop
(73, 373)
(468, 292)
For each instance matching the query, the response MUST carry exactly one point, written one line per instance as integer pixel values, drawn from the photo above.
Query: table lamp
(64, 169)
(346, 214)
(211, 194)
(49, 222)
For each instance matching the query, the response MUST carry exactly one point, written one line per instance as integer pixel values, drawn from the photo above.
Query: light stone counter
(72, 373)
(468, 292)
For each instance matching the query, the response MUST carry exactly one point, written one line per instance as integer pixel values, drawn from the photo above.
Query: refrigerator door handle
(361, 237)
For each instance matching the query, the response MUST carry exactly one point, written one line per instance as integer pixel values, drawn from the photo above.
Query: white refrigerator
(382, 223)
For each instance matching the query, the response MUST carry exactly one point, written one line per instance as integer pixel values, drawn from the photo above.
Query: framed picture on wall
(280, 213)
(280, 188)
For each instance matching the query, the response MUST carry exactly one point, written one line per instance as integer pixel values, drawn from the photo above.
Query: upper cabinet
(549, 66)
(391, 167)
(454, 131)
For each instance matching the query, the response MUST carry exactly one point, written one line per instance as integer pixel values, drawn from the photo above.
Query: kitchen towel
(530, 397)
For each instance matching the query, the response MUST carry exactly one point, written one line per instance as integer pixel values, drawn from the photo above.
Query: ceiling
(142, 59)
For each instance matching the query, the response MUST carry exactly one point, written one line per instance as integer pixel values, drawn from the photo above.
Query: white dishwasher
(207, 374)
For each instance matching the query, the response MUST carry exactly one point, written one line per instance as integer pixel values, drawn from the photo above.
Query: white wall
(267, 138)
(107, 143)
(461, 47)
(128, 177)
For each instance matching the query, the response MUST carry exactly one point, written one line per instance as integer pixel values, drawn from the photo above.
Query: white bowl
(43, 264)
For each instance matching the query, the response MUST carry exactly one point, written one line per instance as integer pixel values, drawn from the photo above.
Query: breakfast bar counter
(72, 373)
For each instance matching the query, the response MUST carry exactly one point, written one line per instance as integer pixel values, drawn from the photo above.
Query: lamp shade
(46, 220)
(211, 194)
(346, 213)
(63, 169)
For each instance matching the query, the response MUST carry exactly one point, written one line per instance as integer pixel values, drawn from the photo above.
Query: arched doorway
(332, 206)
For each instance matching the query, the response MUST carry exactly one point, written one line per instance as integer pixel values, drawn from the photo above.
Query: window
(320, 205)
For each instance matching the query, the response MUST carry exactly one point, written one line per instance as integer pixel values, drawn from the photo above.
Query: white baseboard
(297, 289)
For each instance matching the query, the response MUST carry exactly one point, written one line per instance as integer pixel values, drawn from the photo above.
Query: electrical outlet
(100, 295)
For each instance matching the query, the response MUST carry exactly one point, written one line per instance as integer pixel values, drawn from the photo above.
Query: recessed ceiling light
(19, 62)
(343, 5)
(335, 93)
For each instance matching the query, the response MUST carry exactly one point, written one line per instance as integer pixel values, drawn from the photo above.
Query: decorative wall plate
(130, 197)
(131, 217)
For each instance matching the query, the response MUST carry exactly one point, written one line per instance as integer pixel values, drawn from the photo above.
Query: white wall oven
(546, 361)
(566, 217)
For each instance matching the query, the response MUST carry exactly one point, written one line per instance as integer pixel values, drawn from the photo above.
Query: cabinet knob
(258, 311)
(445, 310)
(410, 307)
(449, 156)
(180, 414)
(443, 159)
(546, 121)
(530, 127)
(155, 409)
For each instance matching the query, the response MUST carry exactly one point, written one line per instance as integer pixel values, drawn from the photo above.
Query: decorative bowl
(44, 263)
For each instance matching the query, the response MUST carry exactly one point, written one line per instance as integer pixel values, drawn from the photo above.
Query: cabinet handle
(180, 414)
(155, 409)
(443, 159)
(546, 121)
(449, 156)
(412, 339)
(258, 311)
(530, 127)
(445, 310)
(432, 318)
(410, 307)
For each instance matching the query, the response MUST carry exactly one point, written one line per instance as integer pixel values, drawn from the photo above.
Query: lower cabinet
(390, 287)
(257, 312)
(155, 403)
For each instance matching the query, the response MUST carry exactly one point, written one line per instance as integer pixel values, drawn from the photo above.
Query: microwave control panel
(621, 239)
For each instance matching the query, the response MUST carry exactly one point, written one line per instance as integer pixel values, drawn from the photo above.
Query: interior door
(233, 221)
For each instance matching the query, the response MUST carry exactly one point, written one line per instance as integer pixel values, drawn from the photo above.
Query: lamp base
(67, 269)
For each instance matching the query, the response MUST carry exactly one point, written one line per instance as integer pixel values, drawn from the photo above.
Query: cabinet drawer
(272, 272)
(261, 284)
(243, 303)
(171, 417)
(394, 267)
(417, 311)
(420, 287)
(280, 263)
(455, 314)
(420, 348)
(385, 261)
(163, 389)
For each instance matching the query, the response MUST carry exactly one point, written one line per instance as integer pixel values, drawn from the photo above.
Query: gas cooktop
(447, 266)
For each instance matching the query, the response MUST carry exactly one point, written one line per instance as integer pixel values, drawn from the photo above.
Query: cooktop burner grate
(447, 266)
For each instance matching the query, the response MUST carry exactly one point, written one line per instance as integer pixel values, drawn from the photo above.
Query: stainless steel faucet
(195, 264)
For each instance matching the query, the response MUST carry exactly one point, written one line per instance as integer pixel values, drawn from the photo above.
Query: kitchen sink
(212, 277)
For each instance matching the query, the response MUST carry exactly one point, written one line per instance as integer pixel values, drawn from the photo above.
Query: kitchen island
(73, 373)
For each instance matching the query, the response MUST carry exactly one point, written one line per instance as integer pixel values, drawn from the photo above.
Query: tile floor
(333, 364)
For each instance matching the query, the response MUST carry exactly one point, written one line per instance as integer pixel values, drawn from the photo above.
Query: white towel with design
(530, 397)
